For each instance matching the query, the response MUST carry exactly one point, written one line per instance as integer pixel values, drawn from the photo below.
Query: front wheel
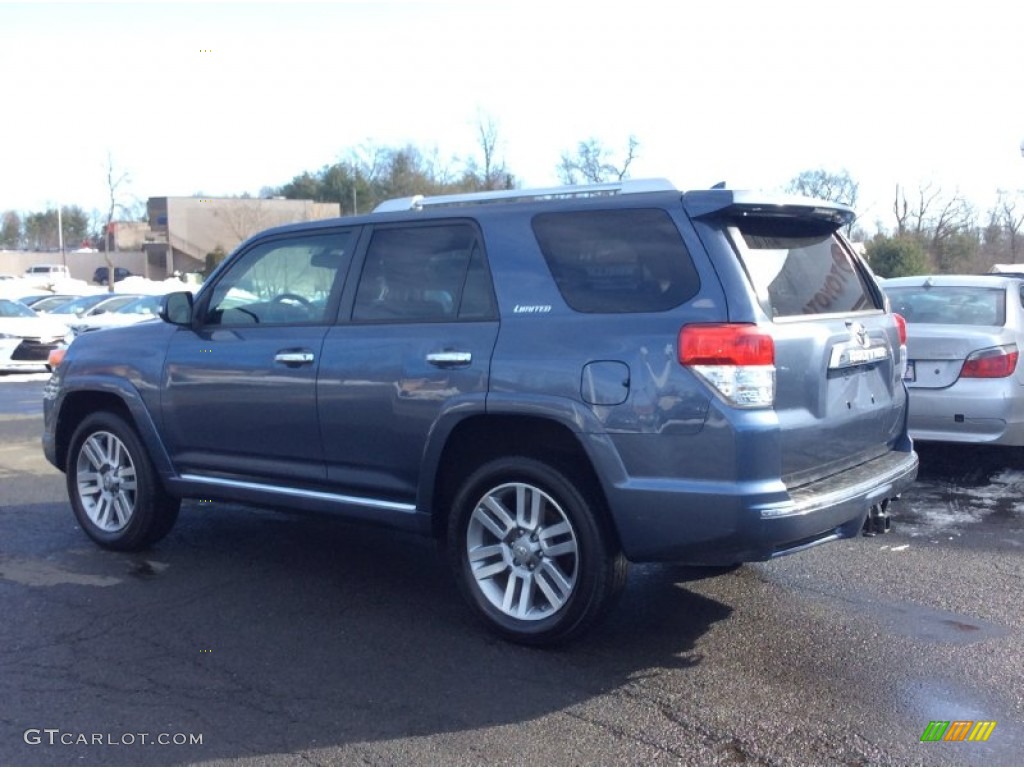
(114, 490)
(530, 553)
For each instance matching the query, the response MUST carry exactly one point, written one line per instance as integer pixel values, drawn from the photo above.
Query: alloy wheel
(106, 481)
(523, 551)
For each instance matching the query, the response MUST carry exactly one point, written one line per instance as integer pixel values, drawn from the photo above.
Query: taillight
(993, 363)
(736, 360)
(901, 329)
(901, 326)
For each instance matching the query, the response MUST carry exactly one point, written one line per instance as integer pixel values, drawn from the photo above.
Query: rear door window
(433, 273)
(799, 267)
(627, 260)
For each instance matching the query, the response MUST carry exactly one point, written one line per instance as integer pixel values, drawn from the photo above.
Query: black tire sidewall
(596, 560)
(154, 512)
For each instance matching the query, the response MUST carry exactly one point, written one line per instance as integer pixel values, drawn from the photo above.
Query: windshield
(147, 305)
(10, 308)
(80, 304)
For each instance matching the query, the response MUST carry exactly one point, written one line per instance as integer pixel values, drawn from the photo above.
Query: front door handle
(295, 357)
(450, 359)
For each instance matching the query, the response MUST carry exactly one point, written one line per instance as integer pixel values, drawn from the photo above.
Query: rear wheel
(530, 552)
(114, 490)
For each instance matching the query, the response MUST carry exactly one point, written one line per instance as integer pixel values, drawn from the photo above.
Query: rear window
(800, 267)
(949, 304)
(629, 260)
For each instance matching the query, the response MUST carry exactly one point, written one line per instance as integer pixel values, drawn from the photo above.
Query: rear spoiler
(732, 203)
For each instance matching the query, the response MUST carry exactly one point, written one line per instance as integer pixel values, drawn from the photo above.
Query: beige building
(128, 235)
(183, 230)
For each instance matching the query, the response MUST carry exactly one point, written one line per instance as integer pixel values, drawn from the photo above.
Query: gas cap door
(605, 382)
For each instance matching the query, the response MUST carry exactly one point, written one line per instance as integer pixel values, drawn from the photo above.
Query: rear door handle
(450, 359)
(295, 357)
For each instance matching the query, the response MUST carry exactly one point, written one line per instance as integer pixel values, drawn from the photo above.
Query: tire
(530, 554)
(114, 490)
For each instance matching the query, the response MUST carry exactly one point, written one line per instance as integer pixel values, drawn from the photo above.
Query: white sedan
(26, 339)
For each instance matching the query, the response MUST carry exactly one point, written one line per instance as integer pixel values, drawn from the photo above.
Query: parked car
(26, 339)
(101, 274)
(91, 305)
(54, 271)
(47, 302)
(135, 311)
(29, 299)
(964, 337)
(552, 382)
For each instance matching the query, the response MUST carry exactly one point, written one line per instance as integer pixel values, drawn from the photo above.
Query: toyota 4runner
(552, 382)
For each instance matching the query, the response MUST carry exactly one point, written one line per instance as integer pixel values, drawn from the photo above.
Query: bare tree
(943, 224)
(953, 215)
(494, 174)
(837, 187)
(1010, 220)
(590, 164)
(927, 195)
(117, 180)
(901, 211)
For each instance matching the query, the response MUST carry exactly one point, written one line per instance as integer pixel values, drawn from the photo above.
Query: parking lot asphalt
(253, 637)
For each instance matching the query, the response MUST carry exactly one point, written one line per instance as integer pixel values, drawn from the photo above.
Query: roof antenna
(719, 185)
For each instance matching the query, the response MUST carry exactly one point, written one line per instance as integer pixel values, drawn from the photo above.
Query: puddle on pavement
(963, 486)
(35, 572)
(906, 618)
(923, 623)
(40, 573)
(942, 700)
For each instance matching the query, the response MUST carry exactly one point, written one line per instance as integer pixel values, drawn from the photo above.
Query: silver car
(964, 336)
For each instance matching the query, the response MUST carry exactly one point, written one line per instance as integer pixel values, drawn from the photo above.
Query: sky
(230, 98)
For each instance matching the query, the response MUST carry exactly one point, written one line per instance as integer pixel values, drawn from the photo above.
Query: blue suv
(552, 382)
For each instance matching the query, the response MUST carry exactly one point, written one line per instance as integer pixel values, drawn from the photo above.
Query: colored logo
(958, 730)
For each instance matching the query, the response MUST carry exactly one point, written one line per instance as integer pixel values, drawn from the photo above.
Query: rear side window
(425, 273)
(630, 260)
(799, 267)
(950, 304)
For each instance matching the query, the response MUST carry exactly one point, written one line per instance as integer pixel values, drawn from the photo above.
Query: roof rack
(626, 187)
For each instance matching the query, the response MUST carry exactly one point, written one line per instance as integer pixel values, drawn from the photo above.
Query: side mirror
(176, 308)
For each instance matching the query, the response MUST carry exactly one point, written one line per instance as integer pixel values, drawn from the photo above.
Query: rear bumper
(719, 523)
(970, 411)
